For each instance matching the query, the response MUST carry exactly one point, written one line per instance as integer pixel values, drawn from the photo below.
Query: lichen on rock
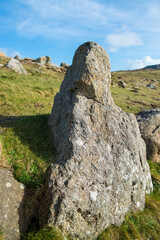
(101, 171)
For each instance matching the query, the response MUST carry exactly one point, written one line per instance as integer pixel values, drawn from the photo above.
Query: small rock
(153, 80)
(16, 66)
(65, 65)
(29, 59)
(149, 124)
(43, 60)
(17, 58)
(1, 65)
(12, 207)
(122, 84)
(151, 86)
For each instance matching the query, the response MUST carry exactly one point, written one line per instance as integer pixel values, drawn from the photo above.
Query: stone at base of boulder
(12, 219)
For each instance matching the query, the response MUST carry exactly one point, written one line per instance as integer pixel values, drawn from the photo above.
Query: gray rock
(30, 60)
(17, 58)
(149, 123)
(11, 206)
(153, 80)
(65, 65)
(43, 60)
(122, 84)
(101, 171)
(16, 66)
(53, 66)
(151, 86)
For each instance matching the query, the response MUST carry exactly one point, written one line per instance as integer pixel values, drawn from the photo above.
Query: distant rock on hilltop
(156, 66)
(2, 54)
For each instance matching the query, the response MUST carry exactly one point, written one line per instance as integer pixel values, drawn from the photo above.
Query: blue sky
(128, 30)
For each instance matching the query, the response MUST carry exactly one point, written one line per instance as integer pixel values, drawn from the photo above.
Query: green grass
(27, 148)
(28, 94)
(127, 98)
(45, 234)
(25, 105)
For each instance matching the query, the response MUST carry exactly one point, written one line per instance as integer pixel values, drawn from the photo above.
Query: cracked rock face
(149, 123)
(101, 171)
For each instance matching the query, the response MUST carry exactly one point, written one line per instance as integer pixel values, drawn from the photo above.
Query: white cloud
(154, 12)
(123, 40)
(57, 19)
(141, 63)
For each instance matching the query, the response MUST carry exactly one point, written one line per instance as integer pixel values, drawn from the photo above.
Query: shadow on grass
(28, 146)
(33, 131)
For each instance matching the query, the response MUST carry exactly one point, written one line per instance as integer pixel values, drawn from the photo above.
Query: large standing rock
(43, 60)
(16, 66)
(101, 171)
(12, 220)
(149, 123)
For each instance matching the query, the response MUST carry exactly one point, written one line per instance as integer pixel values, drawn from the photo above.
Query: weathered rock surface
(11, 206)
(16, 66)
(101, 171)
(149, 123)
(151, 86)
(43, 60)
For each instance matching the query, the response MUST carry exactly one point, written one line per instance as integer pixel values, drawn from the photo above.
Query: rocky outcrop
(17, 58)
(12, 221)
(16, 66)
(65, 65)
(28, 59)
(43, 60)
(101, 171)
(149, 123)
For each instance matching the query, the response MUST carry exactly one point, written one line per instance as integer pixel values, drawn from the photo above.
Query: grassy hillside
(25, 104)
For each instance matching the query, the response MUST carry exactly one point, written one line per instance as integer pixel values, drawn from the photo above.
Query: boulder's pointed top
(89, 72)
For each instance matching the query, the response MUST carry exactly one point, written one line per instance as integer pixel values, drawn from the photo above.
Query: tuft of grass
(45, 234)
